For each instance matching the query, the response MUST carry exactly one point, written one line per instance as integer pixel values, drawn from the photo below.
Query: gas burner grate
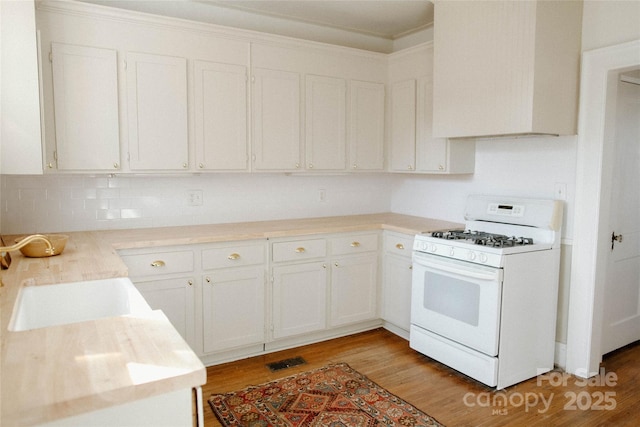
(483, 238)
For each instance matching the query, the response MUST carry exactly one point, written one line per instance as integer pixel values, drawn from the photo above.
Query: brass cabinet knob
(310, 165)
(158, 263)
(355, 244)
(190, 282)
(441, 167)
(410, 167)
(201, 165)
(185, 165)
(116, 165)
(300, 250)
(400, 246)
(233, 256)
(354, 166)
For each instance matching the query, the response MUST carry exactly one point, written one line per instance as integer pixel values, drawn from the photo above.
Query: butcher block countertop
(60, 371)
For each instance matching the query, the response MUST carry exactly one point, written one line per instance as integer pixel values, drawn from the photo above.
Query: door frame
(593, 180)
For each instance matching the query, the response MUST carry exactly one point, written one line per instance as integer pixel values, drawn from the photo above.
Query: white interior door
(621, 320)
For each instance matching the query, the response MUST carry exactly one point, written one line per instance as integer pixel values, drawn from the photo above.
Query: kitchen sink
(61, 304)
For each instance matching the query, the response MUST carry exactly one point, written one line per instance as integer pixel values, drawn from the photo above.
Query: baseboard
(396, 330)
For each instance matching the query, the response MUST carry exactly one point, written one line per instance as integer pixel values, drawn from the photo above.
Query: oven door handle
(435, 267)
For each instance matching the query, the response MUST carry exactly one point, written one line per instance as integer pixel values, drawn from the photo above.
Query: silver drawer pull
(300, 250)
(158, 263)
(233, 256)
(355, 244)
(400, 246)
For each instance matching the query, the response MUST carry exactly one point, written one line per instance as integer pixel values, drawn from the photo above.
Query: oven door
(457, 300)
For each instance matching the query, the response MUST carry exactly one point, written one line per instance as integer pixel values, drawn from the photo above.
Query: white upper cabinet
(20, 133)
(403, 126)
(157, 108)
(276, 120)
(412, 146)
(506, 67)
(366, 136)
(325, 131)
(438, 155)
(339, 94)
(221, 116)
(85, 89)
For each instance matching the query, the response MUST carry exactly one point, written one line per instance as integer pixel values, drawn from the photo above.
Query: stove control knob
(483, 258)
(433, 248)
(472, 255)
(425, 246)
(452, 252)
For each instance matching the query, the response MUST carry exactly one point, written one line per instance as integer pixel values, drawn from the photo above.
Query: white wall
(55, 203)
(611, 22)
(525, 167)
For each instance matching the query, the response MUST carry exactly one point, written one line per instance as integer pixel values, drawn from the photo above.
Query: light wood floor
(450, 397)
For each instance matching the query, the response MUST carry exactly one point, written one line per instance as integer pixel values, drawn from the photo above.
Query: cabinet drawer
(354, 244)
(158, 263)
(299, 250)
(233, 256)
(399, 244)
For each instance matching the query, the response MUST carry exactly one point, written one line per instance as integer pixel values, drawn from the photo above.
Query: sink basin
(61, 304)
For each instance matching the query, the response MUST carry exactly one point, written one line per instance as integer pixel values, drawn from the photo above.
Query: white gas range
(484, 299)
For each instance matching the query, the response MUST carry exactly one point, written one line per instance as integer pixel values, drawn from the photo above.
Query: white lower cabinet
(219, 299)
(299, 299)
(173, 409)
(396, 282)
(233, 295)
(233, 302)
(354, 278)
(353, 289)
(176, 299)
(164, 277)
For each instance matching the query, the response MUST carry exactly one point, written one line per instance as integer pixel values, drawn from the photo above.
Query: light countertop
(60, 371)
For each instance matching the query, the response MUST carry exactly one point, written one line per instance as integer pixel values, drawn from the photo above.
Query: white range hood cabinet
(506, 68)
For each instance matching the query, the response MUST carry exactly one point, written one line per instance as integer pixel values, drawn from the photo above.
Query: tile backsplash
(56, 203)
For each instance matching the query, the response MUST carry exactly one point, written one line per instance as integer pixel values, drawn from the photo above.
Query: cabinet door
(299, 299)
(366, 137)
(353, 289)
(157, 101)
(21, 141)
(325, 123)
(403, 126)
(85, 89)
(396, 288)
(233, 308)
(276, 120)
(175, 297)
(431, 153)
(221, 116)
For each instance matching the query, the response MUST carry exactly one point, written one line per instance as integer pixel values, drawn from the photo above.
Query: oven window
(452, 297)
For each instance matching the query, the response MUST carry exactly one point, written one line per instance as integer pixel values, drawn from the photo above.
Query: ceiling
(365, 24)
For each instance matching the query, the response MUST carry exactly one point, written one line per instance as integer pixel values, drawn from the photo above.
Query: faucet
(26, 241)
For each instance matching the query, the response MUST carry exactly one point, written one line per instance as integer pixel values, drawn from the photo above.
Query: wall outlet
(194, 197)
(560, 191)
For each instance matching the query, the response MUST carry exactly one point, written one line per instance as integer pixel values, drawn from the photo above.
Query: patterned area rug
(334, 395)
